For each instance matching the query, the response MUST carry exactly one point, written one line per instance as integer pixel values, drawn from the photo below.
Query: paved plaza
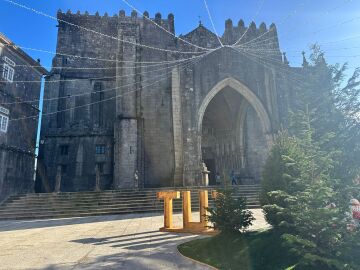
(105, 242)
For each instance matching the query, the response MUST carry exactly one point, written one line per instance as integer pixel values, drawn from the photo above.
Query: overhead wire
(326, 12)
(271, 63)
(276, 51)
(166, 30)
(102, 78)
(285, 19)
(257, 13)
(108, 68)
(280, 66)
(142, 62)
(94, 92)
(93, 58)
(212, 23)
(300, 81)
(97, 102)
(271, 29)
(284, 69)
(94, 31)
(186, 52)
(265, 40)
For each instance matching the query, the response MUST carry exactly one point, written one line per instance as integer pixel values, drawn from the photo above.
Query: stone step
(159, 205)
(71, 205)
(78, 204)
(55, 197)
(79, 210)
(102, 198)
(112, 211)
(148, 190)
(48, 196)
(101, 201)
(99, 194)
(97, 203)
(77, 214)
(50, 216)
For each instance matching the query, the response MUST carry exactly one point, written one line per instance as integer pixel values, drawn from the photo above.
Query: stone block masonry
(159, 127)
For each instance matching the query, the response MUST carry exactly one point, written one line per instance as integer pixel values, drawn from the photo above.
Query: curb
(195, 261)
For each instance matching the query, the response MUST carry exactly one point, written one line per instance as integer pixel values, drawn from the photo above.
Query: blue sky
(299, 23)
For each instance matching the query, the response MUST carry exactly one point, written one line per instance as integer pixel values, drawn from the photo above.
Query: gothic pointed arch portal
(234, 130)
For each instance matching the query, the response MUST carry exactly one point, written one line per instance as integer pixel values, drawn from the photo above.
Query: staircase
(80, 204)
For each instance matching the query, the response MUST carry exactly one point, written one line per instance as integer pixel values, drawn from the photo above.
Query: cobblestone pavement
(105, 242)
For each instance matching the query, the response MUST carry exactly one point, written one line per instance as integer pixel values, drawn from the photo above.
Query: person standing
(233, 178)
(136, 179)
(355, 211)
(217, 179)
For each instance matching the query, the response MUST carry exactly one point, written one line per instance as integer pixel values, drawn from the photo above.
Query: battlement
(233, 33)
(90, 20)
(121, 14)
(266, 36)
(262, 29)
(241, 26)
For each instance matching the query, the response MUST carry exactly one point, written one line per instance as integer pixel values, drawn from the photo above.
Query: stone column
(126, 125)
(177, 127)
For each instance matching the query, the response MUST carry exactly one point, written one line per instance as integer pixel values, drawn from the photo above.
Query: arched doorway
(235, 132)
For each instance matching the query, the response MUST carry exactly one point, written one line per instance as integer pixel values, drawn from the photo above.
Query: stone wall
(21, 98)
(151, 116)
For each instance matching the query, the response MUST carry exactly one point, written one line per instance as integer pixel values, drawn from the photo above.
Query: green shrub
(281, 168)
(230, 214)
(315, 233)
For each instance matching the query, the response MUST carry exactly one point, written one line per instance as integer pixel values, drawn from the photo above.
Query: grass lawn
(253, 250)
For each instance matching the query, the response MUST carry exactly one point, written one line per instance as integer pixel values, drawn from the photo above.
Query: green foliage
(333, 105)
(320, 231)
(277, 213)
(312, 166)
(230, 214)
(311, 230)
(281, 169)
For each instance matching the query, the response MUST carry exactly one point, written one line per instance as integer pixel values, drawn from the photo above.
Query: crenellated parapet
(121, 16)
(251, 35)
(246, 37)
(102, 36)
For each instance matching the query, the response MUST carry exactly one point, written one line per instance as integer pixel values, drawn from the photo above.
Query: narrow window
(8, 69)
(4, 123)
(97, 97)
(101, 109)
(4, 119)
(8, 72)
(100, 149)
(64, 150)
(9, 61)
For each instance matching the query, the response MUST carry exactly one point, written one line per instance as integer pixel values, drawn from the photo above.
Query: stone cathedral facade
(150, 118)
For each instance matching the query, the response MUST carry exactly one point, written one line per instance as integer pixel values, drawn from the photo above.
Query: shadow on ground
(14, 225)
(152, 250)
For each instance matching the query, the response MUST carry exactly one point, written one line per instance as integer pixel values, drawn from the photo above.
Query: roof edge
(12, 46)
